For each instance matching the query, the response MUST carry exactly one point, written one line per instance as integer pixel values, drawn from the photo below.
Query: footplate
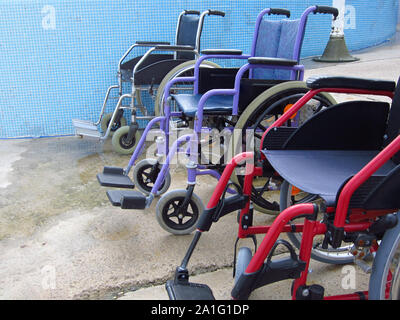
(127, 199)
(184, 290)
(114, 177)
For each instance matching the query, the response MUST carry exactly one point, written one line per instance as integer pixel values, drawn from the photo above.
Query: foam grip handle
(216, 13)
(279, 11)
(327, 10)
(192, 12)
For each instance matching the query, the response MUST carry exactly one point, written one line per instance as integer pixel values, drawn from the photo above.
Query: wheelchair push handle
(216, 13)
(278, 11)
(327, 10)
(192, 12)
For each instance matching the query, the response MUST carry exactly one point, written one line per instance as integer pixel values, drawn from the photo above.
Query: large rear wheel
(262, 112)
(384, 283)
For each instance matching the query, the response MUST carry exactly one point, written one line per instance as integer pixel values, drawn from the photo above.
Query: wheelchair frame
(89, 129)
(134, 199)
(258, 272)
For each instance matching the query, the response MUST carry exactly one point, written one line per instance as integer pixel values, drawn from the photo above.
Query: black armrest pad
(175, 48)
(273, 61)
(222, 51)
(152, 43)
(320, 82)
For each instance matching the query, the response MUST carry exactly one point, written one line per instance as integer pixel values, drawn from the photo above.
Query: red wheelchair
(339, 202)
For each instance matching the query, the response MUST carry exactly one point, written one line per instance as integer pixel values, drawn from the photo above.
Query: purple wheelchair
(224, 102)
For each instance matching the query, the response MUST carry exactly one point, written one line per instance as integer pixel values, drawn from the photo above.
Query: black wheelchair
(147, 73)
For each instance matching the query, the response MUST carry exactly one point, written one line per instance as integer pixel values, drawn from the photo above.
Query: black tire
(174, 221)
(119, 141)
(387, 259)
(105, 122)
(142, 171)
(242, 261)
(333, 256)
(260, 113)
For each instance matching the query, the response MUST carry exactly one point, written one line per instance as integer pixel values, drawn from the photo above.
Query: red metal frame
(309, 229)
(309, 95)
(360, 220)
(226, 175)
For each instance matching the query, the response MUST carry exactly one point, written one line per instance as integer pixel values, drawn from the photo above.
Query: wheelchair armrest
(273, 61)
(152, 43)
(222, 51)
(174, 48)
(320, 82)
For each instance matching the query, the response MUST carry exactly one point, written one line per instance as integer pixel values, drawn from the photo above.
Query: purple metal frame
(297, 73)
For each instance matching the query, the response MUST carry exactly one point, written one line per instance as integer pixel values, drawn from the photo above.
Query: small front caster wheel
(175, 218)
(242, 261)
(145, 174)
(120, 142)
(105, 122)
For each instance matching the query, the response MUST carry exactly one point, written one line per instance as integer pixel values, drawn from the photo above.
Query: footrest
(179, 290)
(86, 129)
(127, 199)
(114, 177)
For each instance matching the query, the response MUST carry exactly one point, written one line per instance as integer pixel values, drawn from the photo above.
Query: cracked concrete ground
(60, 238)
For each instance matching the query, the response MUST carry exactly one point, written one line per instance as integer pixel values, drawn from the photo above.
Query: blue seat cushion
(321, 172)
(215, 105)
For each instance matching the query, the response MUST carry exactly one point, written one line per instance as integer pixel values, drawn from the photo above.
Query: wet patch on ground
(52, 176)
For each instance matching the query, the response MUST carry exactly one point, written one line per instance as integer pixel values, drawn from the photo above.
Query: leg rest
(183, 290)
(127, 199)
(114, 177)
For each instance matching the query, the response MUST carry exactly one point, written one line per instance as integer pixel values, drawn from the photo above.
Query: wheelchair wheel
(175, 219)
(120, 142)
(261, 113)
(290, 196)
(183, 70)
(105, 121)
(384, 282)
(242, 261)
(145, 174)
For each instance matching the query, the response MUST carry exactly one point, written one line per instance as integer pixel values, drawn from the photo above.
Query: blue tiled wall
(59, 57)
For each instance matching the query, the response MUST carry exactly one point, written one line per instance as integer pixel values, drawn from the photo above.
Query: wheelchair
(259, 85)
(147, 73)
(346, 162)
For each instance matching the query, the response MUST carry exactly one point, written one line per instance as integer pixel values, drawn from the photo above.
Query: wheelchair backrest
(393, 124)
(277, 39)
(186, 34)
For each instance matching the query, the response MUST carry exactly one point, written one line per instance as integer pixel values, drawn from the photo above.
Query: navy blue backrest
(187, 32)
(276, 39)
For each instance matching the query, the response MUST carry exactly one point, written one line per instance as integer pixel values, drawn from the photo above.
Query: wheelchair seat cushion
(215, 105)
(153, 58)
(322, 172)
(154, 73)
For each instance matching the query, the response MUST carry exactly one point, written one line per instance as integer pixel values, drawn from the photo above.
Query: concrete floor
(60, 238)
